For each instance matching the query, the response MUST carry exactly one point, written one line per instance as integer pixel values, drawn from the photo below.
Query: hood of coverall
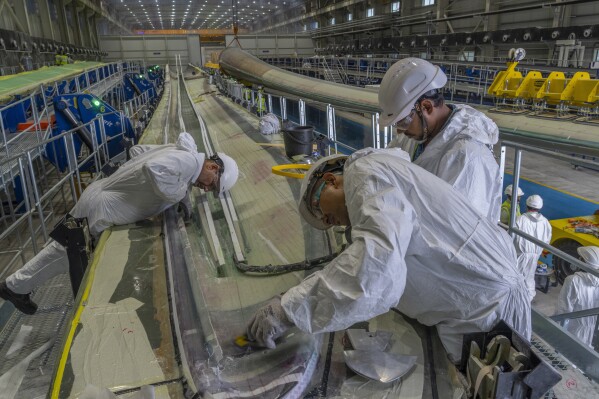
(468, 122)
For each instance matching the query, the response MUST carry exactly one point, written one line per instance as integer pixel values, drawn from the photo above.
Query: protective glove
(185, 207)
(268, 324)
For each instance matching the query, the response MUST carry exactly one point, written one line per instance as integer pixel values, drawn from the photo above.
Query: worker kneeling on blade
(417, 245)
(157, 177)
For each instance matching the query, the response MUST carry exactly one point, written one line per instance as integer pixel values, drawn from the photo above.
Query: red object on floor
(43, 125)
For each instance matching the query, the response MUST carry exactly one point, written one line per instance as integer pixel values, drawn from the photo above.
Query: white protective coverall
(536, 225)
(461, 154)
(142, 187)
(416, 245)
(580, 292)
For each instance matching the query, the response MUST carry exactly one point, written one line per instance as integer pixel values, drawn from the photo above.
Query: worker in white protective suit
(536, 225)
(506, 206)
(452, 141)
(581, 292)
(417, 245)
(154, 180)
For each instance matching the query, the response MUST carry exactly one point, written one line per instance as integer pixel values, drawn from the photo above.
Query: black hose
(290, 267)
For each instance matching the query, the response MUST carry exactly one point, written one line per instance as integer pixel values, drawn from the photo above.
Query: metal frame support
(386, 136)
(585, 358)
(501, 165)
(515, 185)
(65, 32)
(302, 112)
(260, 109)
(46, 20)
(283, 102)
(331, 127)
(376, 136)
(269, 102)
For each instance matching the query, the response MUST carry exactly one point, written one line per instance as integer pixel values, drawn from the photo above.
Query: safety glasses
(215, 188)
(312, 197)
(405, 122)
(315, 203)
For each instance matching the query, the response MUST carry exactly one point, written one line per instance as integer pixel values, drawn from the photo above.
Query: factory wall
(290, 45)
(376, 27)
(153, 49)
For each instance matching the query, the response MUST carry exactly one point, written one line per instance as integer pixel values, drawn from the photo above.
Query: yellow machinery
(569, 234)
(506, 82)
(556, 89)
(212, 65)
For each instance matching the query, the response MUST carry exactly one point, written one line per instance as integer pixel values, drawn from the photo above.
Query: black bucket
(298, 140)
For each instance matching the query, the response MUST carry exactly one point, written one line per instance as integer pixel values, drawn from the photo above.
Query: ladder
(330, 74)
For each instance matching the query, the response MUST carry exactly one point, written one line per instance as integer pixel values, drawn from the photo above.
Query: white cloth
(142, 187)
(461, 154)
(536, 225)
(418, 245)
(580, 292)
(269, 124)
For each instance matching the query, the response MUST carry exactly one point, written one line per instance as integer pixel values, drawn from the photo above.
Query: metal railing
(34, 192)
(31, 187)
(546, 327)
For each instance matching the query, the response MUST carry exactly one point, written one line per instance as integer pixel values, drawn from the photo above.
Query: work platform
(28, 81)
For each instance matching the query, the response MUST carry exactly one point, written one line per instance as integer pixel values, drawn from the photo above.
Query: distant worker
(453, 142)
(417, 245)
(60, 59)
(506, 207)
(536, 225)
(581, 292)
(154, 180)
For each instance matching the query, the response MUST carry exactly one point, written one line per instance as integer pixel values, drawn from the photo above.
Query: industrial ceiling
(191, 14)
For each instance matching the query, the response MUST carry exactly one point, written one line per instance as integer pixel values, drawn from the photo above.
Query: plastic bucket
(298, 140)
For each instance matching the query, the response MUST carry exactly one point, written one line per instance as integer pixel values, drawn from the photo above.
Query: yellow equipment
(556, 89)
(569, 234)
(282, 170)
(506, 82)
(553, 87)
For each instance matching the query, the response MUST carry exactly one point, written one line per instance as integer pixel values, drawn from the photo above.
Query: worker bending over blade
(417, 245)
(154, 180)
(452, 141)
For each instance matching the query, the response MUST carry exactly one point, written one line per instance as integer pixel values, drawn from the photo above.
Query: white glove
(268, 324)
(185, 207)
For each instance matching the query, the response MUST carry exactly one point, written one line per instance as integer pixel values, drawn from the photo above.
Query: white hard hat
(230, 174)
(590, 255)
(403, 84)
(508, 191)
(185, 141)
(327, 164)
(534, 201)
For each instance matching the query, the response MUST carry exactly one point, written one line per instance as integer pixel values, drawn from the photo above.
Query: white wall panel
(155, 49)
